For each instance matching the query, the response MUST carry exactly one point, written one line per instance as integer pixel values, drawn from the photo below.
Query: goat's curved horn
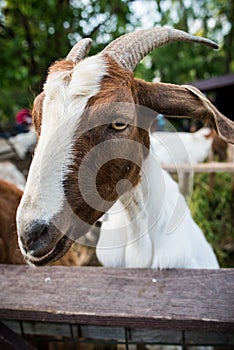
(130, 48)
(80, 50)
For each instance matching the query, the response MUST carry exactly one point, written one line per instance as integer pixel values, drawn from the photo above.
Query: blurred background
(35, 33)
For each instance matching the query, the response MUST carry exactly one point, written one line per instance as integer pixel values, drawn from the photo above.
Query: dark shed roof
(222, 88)
(215, 83)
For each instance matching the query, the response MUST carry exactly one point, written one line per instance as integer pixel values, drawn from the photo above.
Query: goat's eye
(118, 126)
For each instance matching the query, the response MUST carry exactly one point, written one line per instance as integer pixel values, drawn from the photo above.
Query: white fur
(24, 142)
(156, 229)
(183, 147)
(66, 95)
(9, 172)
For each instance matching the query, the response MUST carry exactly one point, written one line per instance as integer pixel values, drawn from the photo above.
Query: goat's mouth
(59, 250)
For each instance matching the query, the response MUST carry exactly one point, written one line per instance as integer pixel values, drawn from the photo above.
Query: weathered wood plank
(136, 298)
(211, 167)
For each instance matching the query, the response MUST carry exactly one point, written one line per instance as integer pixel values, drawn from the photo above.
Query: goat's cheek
(106, 181)
(116, 177)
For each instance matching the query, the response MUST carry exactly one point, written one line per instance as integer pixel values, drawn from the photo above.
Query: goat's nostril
(35, 237)
(36, 230)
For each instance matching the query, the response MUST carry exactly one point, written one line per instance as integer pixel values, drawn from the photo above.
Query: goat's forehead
(81, 80)
(70, 89)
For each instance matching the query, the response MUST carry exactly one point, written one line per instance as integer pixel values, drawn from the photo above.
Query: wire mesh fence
(74, 336)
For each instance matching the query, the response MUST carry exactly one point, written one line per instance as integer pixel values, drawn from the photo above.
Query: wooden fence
(211, 167)
(186, 172)
(127, 306)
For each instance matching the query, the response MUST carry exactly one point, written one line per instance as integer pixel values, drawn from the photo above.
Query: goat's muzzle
(42, 244)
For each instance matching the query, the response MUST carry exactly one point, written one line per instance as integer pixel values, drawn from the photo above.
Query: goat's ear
(184, 101)
(37, 112)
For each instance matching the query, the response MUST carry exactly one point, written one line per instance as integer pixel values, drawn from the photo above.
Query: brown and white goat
(94, 156)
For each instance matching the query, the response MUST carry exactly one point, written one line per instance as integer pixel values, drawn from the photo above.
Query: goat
(18, 145)
(23, 143)
(183, 147)
(95, 155)
(180, 148)
(10, 197)
(9, 172)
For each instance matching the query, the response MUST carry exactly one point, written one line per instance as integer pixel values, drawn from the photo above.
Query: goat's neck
(156, 195)
(139, 200)
(136, 217)
(151, 226)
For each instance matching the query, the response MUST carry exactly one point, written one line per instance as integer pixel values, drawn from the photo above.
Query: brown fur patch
(10, 197)
(61, 65)
(37, 112)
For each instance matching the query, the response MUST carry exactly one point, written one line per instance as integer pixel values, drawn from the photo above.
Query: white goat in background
(9, 172)
(183, 147)
(18, 145)
(180, 148)
(95, 155)
(24, 143)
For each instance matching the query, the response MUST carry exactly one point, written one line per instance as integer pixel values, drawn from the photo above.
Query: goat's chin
(59, 250)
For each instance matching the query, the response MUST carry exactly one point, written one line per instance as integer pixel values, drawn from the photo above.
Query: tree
(35, 33)
(183, 62)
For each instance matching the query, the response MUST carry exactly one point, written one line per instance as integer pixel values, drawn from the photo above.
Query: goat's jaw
(59, 250)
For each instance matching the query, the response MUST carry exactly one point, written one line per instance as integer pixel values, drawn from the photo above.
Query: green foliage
(183, 63)
(213, 211)
(35, 33)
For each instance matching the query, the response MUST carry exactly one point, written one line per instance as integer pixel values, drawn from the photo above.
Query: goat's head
(93, 138)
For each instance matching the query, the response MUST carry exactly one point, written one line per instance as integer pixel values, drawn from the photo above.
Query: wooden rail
(144, 305)
(212, 167)
(186, 172)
